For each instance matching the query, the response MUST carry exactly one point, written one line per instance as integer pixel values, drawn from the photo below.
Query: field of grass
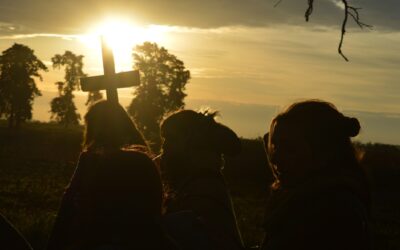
(35, 166)
(37, 162)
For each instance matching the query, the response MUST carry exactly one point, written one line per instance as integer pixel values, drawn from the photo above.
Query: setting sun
(149, 124)
(122, 36)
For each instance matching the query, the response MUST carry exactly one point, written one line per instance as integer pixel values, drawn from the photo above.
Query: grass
(37, 162)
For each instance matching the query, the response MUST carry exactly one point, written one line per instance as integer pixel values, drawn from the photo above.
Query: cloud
(381, 14)
(378, 127)
(252, 120)
(36, 35)
(73, 16)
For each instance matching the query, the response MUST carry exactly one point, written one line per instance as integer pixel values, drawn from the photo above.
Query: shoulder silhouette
(10, 238)
(114, 198)
(320, 197)
(191, 162)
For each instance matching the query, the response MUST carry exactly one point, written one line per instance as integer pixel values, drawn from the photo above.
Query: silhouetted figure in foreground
(320, 198)
(10, 238)
(114, 198)
(191, 162)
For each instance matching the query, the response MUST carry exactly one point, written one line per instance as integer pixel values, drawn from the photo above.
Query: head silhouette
(194, 141)
(310, 137)
(190, 130)
(109, 126)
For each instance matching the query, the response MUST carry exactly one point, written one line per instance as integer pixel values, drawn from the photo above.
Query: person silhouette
(190, 163)
(320, 198)
(114, 198)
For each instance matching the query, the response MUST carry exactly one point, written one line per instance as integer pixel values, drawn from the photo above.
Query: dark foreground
(37, 162)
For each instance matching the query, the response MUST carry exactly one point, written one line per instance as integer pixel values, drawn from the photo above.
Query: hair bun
(351, 126)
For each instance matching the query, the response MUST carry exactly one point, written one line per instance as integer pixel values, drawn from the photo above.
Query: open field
(37, 162)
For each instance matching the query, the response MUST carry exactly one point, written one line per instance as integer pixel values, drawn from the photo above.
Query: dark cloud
(383, 14)
(71, 16)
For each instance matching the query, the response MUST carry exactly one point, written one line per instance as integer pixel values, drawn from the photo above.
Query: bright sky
(248, 59)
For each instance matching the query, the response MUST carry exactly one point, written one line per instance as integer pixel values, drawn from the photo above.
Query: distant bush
(382, 163)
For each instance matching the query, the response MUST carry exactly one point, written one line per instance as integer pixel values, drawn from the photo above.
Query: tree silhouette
(63, 109)
(18, 69)
(163, 80)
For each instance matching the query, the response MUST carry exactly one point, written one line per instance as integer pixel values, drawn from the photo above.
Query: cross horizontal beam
(119, 80)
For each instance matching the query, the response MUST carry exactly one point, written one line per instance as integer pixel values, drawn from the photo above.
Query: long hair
(108, 126)
(323, 129)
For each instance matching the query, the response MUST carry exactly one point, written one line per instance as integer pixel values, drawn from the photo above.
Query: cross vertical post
(110, 81)
(109, 69)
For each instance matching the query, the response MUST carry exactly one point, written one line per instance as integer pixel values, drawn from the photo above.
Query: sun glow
(122, 36)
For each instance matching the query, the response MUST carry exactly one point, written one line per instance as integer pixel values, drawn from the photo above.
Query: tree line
(162, 89)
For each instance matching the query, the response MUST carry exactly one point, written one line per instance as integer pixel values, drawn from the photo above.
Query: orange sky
(250, 72)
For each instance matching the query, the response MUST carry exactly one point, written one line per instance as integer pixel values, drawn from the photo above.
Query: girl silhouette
(320, 197)
(191, 163)
(115, 195)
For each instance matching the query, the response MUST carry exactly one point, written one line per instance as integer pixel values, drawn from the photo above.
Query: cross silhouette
(110, 81)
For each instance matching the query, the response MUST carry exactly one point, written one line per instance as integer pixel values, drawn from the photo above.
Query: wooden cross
(110, 81)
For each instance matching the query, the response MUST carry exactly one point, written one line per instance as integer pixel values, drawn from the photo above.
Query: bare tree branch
(349, 11)
(309, 10)
(277, 3)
